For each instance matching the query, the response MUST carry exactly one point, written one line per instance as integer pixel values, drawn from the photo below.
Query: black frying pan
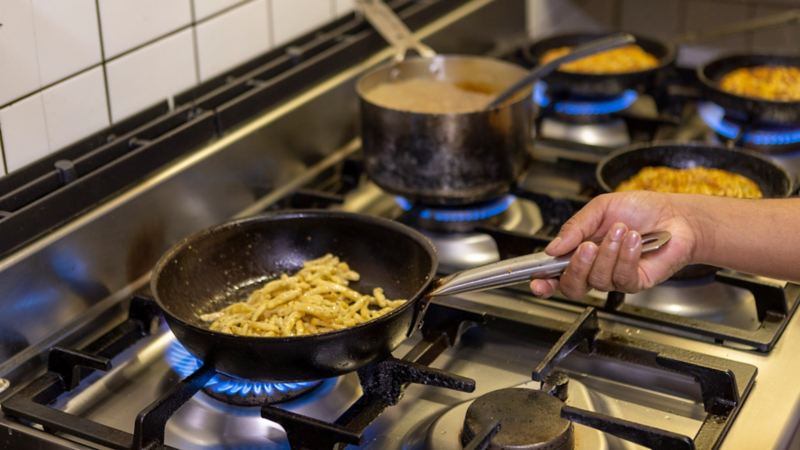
(223, 264)
(773, 180)
(750, 108)
(599, 85)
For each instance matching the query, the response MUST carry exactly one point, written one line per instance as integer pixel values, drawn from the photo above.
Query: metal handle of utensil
(744, 26)
(541, 71)
(393, 29)
(517, 270)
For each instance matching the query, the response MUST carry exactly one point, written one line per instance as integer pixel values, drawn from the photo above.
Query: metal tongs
(521, 269)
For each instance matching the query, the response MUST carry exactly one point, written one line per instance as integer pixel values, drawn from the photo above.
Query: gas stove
(88, 363)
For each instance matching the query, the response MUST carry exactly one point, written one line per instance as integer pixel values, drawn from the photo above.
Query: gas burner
(471, 213)
(607, 132)
(236, 391)
(766, 137)
(584, 106)
(460, 245)
(529, 419)
(702, 298)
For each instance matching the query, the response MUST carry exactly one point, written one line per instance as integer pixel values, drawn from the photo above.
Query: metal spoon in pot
(589, 48)
(521, 269)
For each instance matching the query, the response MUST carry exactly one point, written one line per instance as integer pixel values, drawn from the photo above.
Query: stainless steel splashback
(82, 269)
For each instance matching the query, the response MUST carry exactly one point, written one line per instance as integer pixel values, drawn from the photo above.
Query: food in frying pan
(781, 83)
(695, 180)
(422, 95)
(630, 58)
(314, 300)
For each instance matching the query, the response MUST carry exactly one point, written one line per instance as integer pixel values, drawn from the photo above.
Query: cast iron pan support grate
(383, 383)
(582, 332)
(67, 367)
(718, 386)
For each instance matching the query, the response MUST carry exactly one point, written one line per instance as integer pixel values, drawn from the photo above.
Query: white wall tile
(19, 69)
(24, 132)
(67, 38)
(151, 74)
(205, 8)
(291, 18)
(232, 38)
(342, 7)
(128, 23)
(75, 108)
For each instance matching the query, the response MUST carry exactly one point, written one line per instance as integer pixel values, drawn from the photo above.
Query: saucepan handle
(517, 270)
(393, 29)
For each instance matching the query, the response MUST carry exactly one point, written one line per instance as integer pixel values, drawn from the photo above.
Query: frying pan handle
(393, 29)
(517, 270)
(419, 312)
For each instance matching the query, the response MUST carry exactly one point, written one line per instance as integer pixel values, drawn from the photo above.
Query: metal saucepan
(605, 84)
(750, 108)
(444, 159)
(619, 166)
(223, 264)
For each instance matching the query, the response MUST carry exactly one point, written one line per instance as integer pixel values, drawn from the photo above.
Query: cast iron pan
(765, 111)
(600, 85)
(223, 264)
(773, 180)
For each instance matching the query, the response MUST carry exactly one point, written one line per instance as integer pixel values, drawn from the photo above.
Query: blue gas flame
(714, 116)
(585, 107)
(468, 214)
(184, 364)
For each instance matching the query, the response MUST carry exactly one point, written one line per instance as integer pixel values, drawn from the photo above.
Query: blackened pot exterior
(447, 159)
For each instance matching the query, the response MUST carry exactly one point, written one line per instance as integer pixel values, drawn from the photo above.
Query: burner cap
(234, 390)
(529, 419)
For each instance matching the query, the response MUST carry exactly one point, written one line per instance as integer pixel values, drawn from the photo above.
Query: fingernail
(587, 252)
(617, 232)
(553, 244)
(535, 288)
(632, 240)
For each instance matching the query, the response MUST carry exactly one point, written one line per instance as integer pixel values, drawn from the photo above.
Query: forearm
(754, 236)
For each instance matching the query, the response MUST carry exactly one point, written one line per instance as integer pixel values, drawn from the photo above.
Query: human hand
(617, 221)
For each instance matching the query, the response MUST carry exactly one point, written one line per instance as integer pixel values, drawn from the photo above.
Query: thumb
(580, 227)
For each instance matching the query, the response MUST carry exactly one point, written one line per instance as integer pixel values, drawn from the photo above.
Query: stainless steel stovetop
(662, 360)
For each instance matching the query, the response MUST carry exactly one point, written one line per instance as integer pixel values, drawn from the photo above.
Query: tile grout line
(3, 148)
(103, 61)
(195, 45)
(41, 89)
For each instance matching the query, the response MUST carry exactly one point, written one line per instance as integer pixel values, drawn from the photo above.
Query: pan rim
(522, 96)
(671, 143)
(418, 237)
(709, 83)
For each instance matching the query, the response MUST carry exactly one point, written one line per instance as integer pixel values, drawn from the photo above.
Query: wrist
(694, 209)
